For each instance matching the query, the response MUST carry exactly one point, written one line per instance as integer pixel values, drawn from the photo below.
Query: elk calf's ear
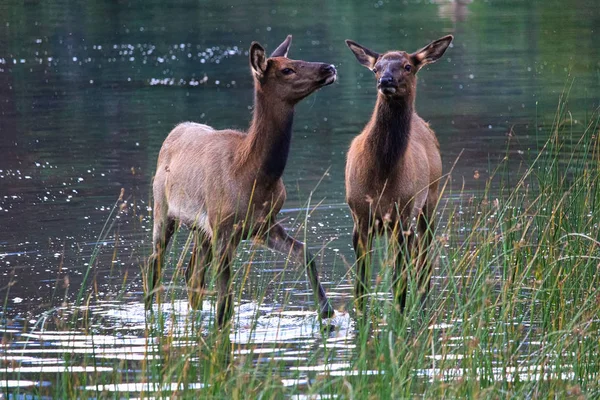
(366, 57)
(432, 52)
(284, 47)
(258, 62)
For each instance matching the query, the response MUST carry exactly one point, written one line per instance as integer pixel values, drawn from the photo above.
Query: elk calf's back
(226, 185)
(394, 167)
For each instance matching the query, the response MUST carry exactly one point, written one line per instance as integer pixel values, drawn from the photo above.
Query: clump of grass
(513, 311)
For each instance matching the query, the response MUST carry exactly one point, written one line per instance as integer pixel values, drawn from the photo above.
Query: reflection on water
(454, 10)
(142, 387)
(84, 108)
(288, 338)
(116, 340)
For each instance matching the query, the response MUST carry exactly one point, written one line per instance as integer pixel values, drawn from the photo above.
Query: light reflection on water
(145, 387)
(259, 331)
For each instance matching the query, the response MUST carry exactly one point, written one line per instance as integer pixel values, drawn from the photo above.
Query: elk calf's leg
(278, 239)
(362, 247)
(195, 274)
(160, 240)
(425, 263)
(224, 294)
(401, 266)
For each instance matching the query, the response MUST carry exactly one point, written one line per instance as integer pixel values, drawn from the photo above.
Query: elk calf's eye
(287, 71)
(407, 67)
(374, 70)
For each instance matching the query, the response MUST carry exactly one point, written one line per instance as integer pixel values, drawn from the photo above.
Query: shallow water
(88, 93)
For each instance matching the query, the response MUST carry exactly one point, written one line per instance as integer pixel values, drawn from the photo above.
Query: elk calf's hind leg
(195, 274)
(160, 240)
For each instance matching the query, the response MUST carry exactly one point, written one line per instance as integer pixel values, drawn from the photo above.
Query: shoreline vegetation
(513, 312)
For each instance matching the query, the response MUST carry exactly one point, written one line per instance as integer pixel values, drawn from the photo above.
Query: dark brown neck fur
(269, 137)
(389, 132)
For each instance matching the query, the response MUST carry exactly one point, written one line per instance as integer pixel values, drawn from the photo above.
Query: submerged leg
(278, 239)
(163, 230)
(195, 274)
(401, 265)
(225, 297)
(225, 251)
(425, 263)
(362, 247)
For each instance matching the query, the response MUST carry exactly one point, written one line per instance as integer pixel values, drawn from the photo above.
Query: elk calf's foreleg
(362, 247)
(278, 239)
(402, 257)
(425, 260)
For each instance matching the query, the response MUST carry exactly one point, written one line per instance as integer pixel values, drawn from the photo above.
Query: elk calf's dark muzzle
(329, 68)
(386, 80)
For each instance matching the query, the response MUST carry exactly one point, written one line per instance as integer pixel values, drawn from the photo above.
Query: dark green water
(88, 92)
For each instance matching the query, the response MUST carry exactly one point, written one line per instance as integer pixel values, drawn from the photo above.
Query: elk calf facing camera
(226, 185)
(393, 169)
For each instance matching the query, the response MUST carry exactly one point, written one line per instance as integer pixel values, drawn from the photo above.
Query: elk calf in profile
(394, 167)
(226, 185)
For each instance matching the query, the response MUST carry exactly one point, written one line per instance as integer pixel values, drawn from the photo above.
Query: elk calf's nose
(329, 68)
(385, 80)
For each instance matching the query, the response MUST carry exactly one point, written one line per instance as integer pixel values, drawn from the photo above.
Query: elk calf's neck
(394, 166)
(226, 185)
(389, 131)
(269, 137)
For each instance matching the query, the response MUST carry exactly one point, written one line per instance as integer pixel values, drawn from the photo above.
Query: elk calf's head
(396, 71)
(285, 79)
